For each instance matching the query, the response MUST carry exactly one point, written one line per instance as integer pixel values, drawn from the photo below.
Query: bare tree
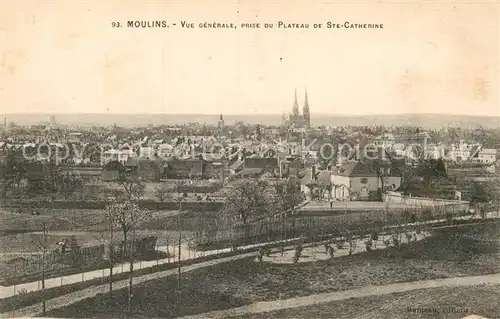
(162, 192)
(287, 197)
(127, 216)
(180, 199)
(132, 185)
(246, 199)
(42, 244)
(89, 192)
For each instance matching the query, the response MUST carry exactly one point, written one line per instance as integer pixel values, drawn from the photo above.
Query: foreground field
(20, 232)
(461, 251)
(445, 302)
(22, 237)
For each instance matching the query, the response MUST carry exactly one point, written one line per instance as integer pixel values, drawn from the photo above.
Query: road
(274, 305)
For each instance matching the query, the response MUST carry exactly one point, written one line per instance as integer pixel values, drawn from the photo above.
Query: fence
(296, 226)
(190, 255)
(80, 257)
(213, 205)
(392, 197)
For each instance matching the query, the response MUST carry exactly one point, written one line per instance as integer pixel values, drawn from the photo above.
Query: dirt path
(58, 302)
(274, 305)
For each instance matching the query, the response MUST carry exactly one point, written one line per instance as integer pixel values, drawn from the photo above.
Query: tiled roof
(320, 178)
(250, 171)
(355, 169)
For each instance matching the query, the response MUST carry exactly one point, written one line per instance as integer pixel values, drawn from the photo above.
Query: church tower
(306, 113)
(295, 110)
(220, 127)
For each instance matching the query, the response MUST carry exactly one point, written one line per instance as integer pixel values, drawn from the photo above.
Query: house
(487, 155)
(255, 166)
(290, 165)
(165, 150)
(389, 171)
(184, 168)
(354, 180)
(86, 173)
(199, 167)
(316, 183)
(269, 164)
(145, 170)
(120, 156)
(111, 171)
(386, 141)
(147, 152)
(215, 169)
(463, 152)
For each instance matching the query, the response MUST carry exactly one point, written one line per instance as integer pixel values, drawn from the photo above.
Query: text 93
(116, 25)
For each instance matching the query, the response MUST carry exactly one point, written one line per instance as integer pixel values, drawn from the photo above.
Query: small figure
(369, 244)
(331, 250)
(260, 255)
(62, 244)
(331, 204)
(340, 244)
(298, 251)
(408, 237)
(267, 251)
(327, 248)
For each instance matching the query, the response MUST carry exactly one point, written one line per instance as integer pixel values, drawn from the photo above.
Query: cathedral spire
(295, 110)
(306, 104)
(305, 111)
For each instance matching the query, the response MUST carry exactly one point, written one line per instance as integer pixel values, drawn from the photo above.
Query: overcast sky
(64, 57)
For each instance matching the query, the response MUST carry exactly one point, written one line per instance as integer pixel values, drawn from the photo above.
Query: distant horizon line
(249, 114)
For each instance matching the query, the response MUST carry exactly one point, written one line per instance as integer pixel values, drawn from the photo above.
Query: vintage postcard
(249, 159)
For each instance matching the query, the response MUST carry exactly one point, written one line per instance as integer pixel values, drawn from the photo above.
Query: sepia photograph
(250, 159)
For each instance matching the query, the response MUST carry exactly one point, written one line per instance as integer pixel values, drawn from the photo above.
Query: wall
(339, 191)
(394, 197)
(356, 186)
(390, 180)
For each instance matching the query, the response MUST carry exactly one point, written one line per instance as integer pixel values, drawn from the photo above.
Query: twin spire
(305, 109)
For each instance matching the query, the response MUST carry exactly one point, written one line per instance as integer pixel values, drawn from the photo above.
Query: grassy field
(22, 235)
(20, 231)
(461, 251)
(449, 303)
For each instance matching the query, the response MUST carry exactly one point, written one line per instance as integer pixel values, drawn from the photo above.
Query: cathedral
(299, 120)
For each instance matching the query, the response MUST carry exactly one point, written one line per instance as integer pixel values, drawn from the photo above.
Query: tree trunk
(124, 246)
(111, 260)
(131, 273)
(111, 263)
(179, 297)
(381, 188)
(130, 282)
(43, 269)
